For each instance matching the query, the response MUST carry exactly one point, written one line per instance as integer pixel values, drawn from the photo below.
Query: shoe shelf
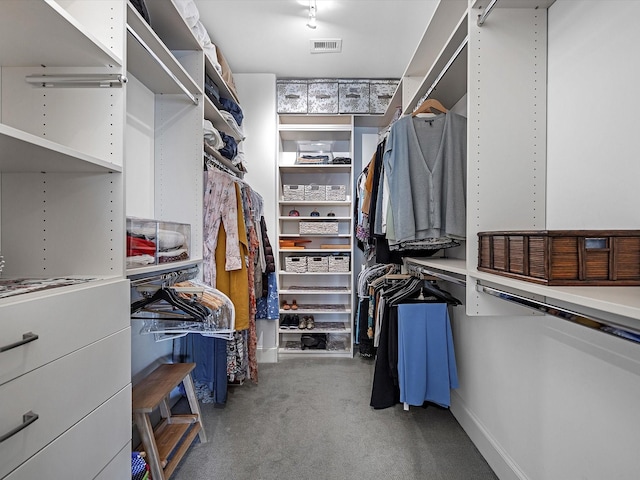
(315, 290)
(312, 309)
(309, 274)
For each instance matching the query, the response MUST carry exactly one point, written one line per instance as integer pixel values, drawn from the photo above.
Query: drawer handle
(291, 96)
(27, 419)
(26, 338)
(352, 95)
(385, 97)
(323, 96)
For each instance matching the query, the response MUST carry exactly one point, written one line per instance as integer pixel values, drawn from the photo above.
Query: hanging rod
(162, 65)
(412, 268)
(171, 277)
(606, 326)
(444, 70)
(485, 13)
(77, 80)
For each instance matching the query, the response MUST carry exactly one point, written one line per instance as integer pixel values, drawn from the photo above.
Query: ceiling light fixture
(312, 14)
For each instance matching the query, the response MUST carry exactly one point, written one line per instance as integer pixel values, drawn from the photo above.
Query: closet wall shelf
(74, 46)
(293, 219)
(327, 291)
(23, 152)
(162, 268)
(315, 168)
(317, 329)
(169, 25)
(309, 274)
(311, 202)
(225, 91)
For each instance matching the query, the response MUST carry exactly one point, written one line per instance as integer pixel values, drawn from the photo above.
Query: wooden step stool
(173, 436)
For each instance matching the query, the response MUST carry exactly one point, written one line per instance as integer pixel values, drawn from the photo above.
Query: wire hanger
(428, 106)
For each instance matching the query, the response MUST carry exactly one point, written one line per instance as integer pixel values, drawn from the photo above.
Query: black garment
(268, 255)
(140, 6)
(385, 391)
(365, 343)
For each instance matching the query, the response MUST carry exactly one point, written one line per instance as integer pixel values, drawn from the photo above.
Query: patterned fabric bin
(336, 192)
(293, 192)
(340, 263)
(318, 264)
(318, 228)
(322, 96)
(295, 264)
(380, 95)
(353, 97)
(315, 192)
(291, 96)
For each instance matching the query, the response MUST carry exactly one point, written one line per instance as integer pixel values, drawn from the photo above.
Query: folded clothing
(165, 239)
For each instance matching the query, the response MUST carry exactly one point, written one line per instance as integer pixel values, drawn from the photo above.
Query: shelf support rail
(167, 278)
(444, 71)
(485, 13)
(606, 326)
(421, 271)
(77, 80)
(162, 65)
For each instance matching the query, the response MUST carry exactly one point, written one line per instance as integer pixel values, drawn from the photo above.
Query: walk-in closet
(319, 239)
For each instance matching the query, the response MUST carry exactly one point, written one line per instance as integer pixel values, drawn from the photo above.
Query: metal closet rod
(162, 65)
(412, 268)
(77, 80)
(169, 277)
(625, 332)
(485, 13)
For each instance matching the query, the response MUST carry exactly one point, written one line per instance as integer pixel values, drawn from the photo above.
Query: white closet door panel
(62, 393)
(64, 321)
(592, 163)
(85, 119)
(179, 165)
(104, 19)
(506, 130)
(89, 446)
(140, 150)
(62, 224)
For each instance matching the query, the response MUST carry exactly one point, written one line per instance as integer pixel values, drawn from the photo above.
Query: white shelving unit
(327, 296)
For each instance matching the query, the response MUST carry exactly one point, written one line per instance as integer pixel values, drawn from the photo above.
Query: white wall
(257, 94)
(542, 398)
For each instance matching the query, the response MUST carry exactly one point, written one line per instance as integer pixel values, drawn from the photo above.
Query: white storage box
(318, 264)
(314, 153)
(292, 96)
(340, 263)
(295, 264)
(153, 242)
(316, 193)
(293, 192)
(320, 227)
(336, 192)
(322, 96)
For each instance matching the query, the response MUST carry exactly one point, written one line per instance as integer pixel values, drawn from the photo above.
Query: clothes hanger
(428, 106)
(164, 294)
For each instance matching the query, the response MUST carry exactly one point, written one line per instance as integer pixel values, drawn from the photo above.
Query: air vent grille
(326, 45)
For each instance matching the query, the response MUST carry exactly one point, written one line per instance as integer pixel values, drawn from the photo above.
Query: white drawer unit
(60, 394)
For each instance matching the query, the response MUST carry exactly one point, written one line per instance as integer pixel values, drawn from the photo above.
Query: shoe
(295, 320)
(294, 305)
(285, 306)
(286, 322)
(303, 323)
(311, 324)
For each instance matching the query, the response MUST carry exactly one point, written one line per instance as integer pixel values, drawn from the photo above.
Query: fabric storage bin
(380, 95)
(293, 192)
(340, 263)
(315, 192)
(322, 96)
(295, 264)
(353, 97)
(291, 96)
(318, 264)
(336, 192)
(318, 228)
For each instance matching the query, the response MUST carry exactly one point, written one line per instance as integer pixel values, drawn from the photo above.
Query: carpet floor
(309, 418)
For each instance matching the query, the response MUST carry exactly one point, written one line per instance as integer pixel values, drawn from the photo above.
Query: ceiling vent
(326, 45)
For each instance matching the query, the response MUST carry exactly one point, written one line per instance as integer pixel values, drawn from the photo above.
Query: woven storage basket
(318, 228)
(339, 263)
(318, 264)
(315, 192)
(295, 264)
(293, 192)
(336, 192)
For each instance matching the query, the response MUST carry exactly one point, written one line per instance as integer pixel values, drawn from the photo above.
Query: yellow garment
(235, 283)
(368, 187)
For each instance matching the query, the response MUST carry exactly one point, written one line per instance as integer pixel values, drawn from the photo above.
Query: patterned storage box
(321, 227)
(318, 264)
(292, 96)
(380, 95)
(339, 263)
(315, 192)
(336, 192)
(293, 192)
(295, 264)
(322, 96)
(353, 97)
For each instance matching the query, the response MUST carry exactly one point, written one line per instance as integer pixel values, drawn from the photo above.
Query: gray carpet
(309, 418)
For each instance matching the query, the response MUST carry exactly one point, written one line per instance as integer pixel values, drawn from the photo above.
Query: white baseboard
(495, 455)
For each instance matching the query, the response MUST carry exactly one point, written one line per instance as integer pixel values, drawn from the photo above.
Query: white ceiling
(270, 36)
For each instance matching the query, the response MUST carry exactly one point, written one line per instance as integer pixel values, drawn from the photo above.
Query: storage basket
(339, 263)
(295, 264)
(321, 227)
(336, 192)
(315, 192)
(293, 192)
(318, 264)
